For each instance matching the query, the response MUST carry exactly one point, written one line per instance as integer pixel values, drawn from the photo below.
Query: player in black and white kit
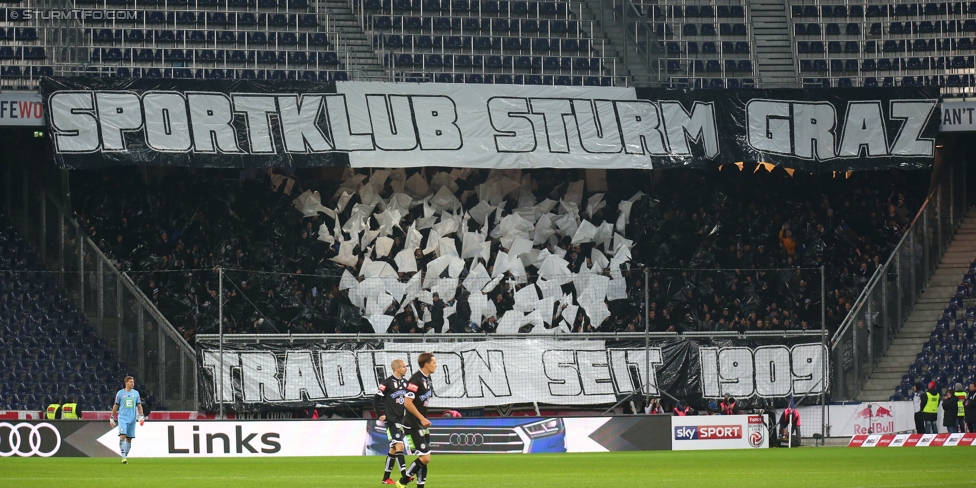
(392, 391)
(419, 391)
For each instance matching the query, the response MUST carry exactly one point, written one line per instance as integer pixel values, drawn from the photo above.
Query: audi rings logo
(25, 439)
(466, 440)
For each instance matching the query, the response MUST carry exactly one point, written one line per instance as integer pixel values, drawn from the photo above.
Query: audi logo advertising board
(719, 432)
(26, 439)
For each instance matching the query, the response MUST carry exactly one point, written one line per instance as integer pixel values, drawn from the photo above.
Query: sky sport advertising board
(697, 433)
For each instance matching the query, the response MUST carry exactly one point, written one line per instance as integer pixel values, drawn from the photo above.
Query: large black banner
(242, 124)
(263, 376)
(209, 124)
(817, 130)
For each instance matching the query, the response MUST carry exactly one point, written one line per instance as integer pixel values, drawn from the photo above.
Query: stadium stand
(264, 40)
(705, 45)
(691, 44)
(532, 43)
(949, 355)
(47, 348)
(893, 44)
(727, 220)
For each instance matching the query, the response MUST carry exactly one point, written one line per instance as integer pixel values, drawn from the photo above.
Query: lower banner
(248, 377)
(260, 438)
(695, 433)
(859, 419)
(913, 440)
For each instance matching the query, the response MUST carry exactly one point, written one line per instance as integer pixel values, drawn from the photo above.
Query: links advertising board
(286, 438)
(696, 433)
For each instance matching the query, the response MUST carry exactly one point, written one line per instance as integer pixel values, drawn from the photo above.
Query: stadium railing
(144, 339)
(891, 293)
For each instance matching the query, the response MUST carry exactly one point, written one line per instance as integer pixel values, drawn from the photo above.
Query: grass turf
(821, 467)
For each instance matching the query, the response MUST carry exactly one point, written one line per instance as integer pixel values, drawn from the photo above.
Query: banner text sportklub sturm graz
(242, 124)
(267, 376)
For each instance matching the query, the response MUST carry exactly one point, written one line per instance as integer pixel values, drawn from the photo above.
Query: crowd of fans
(734, 249)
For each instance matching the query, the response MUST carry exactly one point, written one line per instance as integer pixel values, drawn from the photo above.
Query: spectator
(930, 409)
(950, 409)
(175, 230)
(682, 409)
(789, 424)
(961, 405)
(653, 407)
(971, 408)
(917, 395)
(729, 405)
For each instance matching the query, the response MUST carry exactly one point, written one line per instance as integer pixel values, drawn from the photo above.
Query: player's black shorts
(420, 438)
(395, 433)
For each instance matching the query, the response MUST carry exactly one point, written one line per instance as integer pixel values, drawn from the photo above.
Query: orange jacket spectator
(786, 238)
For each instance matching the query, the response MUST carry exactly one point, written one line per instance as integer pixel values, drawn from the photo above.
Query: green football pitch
(820, 467)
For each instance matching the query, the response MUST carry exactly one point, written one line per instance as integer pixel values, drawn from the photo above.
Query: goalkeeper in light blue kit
(127, 404)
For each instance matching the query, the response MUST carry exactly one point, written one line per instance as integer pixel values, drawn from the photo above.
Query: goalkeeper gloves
(142, 420)
(111, 421)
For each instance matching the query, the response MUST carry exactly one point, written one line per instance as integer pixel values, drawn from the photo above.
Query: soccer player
(392, 391)
(127, 403)
(419, 391)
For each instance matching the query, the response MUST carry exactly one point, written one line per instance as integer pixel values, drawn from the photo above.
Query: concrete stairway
(770, 24)
(636, 68)
(920, 322)
(363, 63)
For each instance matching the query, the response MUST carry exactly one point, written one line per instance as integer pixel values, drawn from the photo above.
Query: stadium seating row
(219, 74)
(18, 34)
(299, 58)
(517, 62)
(249, 38)
(175, 4)
(889, 46)
(209, 19)
(522, 44)
(891, 81)
(505, 79)
(876, 10)
(711, 66)
(482, 7)
(655, 12)
(708, 47)
(879, 28)
(477, 24)
(886, 64)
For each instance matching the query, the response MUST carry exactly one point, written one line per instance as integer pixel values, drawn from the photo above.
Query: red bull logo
(874, 419)
(866, 413)
(883, 412)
